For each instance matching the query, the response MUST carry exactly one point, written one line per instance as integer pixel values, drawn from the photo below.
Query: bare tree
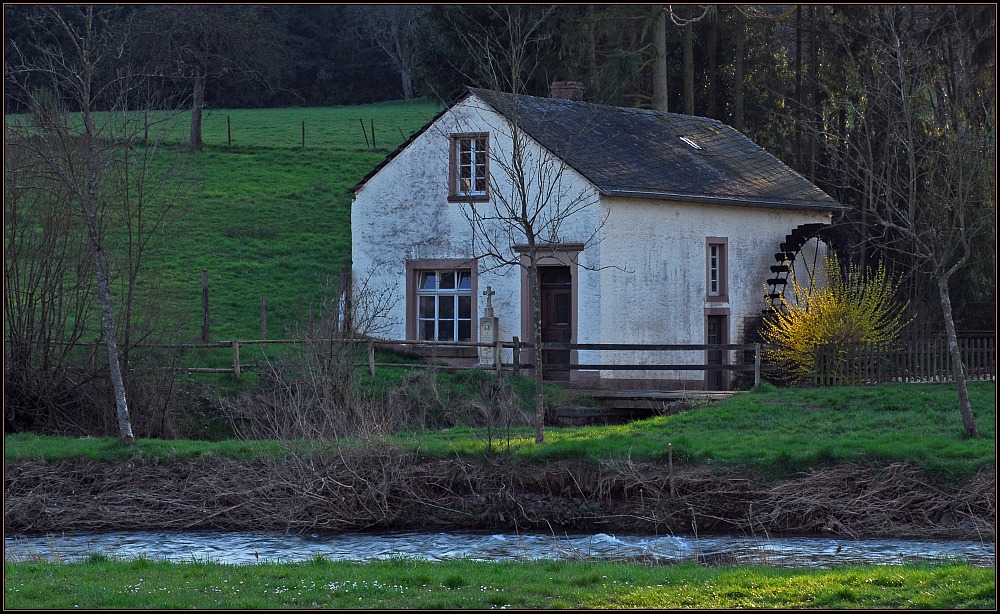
(200, 43)
(923, 149)
(312, 391)
(91, 157)
(391, 26)
(48, 293)
(531, 197)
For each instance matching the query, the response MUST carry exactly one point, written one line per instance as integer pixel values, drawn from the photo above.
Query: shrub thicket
(816, 331)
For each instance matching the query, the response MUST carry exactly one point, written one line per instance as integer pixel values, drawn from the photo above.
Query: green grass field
(774, 433)
(265, 217)
(406, 584)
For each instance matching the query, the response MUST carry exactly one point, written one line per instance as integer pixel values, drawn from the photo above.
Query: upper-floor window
(444, 305)
(716, 269)
(468, 172)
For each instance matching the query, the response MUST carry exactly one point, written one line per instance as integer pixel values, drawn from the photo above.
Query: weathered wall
(654, 281)
(640, 279)
(402, 213)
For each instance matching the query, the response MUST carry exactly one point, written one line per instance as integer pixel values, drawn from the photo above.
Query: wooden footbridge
(619, 406)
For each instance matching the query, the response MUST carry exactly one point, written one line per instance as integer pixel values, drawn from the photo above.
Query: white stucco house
(657, 228)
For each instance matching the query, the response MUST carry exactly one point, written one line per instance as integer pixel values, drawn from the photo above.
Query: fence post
(371, 358)
(204, 306)
(365, 132)
(347, 326)
(236, 359)
(991, 345)
(517, 356)
(263, 318)
(498, 355)
(756, 364)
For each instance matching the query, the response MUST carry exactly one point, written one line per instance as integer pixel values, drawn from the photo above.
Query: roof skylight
(690, 142)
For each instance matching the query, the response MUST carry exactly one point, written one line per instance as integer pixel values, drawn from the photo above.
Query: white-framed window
(469, 174)
(444, 305)
(716, 269)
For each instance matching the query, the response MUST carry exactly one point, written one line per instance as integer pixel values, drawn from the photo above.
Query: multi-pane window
(444, 305)
(716, 269)
(470, 168)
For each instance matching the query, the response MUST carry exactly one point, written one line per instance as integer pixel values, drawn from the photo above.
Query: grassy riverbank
(399, 583)
(773, 432)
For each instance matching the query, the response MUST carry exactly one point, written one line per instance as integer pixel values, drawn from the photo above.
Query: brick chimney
(567, 90)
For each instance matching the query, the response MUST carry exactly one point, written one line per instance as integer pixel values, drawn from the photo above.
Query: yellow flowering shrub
(821, 327)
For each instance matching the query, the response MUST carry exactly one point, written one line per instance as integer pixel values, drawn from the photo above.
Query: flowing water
(252, 547)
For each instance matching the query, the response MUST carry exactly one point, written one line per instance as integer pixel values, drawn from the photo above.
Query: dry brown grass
(381, 487)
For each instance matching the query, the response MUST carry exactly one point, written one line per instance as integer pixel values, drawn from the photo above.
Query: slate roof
(640, 153)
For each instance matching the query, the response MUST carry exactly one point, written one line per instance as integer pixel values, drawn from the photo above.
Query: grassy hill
(265, 217)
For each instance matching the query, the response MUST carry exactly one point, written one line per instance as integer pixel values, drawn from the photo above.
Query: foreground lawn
(402, 583)
(775, 432)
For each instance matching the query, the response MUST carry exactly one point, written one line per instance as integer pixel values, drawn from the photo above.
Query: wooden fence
(497, 348)
(927, 360)
(918, 361)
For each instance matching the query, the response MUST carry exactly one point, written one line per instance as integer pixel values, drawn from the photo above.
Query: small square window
(469, 168)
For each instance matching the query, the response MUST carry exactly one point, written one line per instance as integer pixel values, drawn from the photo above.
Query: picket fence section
(926, 360)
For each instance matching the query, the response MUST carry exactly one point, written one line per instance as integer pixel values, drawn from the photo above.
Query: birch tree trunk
(108, 320)
(89, 199)
(957, 366)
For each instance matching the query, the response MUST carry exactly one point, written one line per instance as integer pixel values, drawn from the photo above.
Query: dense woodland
(891, 109)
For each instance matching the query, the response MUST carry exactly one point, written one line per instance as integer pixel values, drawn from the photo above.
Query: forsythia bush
(822, 326)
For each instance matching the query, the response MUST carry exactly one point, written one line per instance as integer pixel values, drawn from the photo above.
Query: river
(252, 547)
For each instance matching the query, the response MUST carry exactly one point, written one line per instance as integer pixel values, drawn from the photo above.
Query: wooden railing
(919, 361)
(426, 348)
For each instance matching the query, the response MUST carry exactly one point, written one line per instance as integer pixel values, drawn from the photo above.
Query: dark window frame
(480, 159)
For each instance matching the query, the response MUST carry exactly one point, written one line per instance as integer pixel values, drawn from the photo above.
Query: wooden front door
(715, 332)
(557, 319)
